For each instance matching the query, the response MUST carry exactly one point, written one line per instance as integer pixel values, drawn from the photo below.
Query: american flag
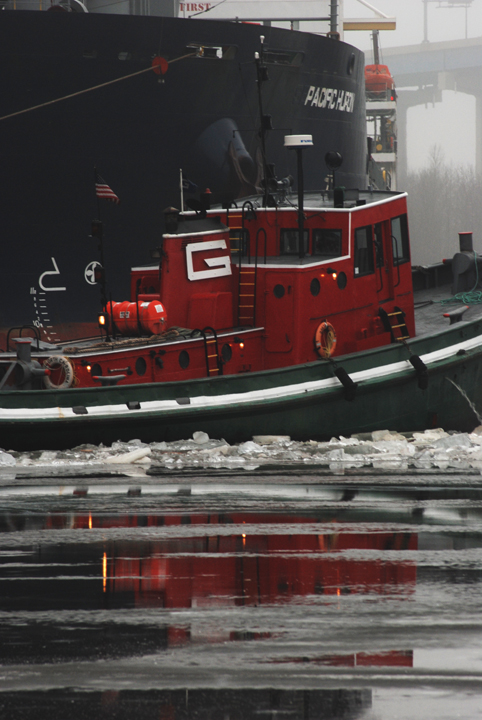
(188, 186)
(102, 190)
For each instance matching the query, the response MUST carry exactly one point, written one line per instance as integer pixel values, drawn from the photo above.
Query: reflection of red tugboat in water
(211, 569)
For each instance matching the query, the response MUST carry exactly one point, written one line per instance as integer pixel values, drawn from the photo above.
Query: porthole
(226, 353)
(96, 370)
(315, 287)
(184, 359)
(279, 291)
(351, 64)
(341, 280)
(141, 366)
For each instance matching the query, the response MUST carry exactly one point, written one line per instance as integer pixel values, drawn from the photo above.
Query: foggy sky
(450, 124)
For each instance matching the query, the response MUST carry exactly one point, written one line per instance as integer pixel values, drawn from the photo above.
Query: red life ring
(325, 339)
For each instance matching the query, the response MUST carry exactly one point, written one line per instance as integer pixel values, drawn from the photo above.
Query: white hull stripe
(203, 402)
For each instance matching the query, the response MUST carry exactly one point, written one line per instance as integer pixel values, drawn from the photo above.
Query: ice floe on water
(380, 451)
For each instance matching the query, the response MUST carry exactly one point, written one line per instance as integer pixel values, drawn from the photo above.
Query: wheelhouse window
(364, 262)
(326, 243)
(400, 246)
(289, 242)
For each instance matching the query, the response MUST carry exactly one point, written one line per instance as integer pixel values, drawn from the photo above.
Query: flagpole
(182, 190)
(103, 286)
(97, 197)
(101, 243)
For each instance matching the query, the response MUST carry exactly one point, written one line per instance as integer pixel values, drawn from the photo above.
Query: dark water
(336, 601)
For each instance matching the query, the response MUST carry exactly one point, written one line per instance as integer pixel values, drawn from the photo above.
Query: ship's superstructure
(381, 104)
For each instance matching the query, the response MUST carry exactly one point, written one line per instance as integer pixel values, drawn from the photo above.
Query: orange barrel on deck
(151, 316)
(118, 312)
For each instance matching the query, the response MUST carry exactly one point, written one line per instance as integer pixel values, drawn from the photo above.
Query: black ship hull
(61, 115)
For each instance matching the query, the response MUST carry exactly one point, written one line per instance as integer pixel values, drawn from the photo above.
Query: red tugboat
(241, 290)
(286, 315)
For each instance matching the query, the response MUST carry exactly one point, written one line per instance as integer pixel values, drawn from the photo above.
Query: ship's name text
(330, 98)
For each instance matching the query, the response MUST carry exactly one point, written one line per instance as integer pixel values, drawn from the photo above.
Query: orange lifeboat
(379, 82)
(131, 318)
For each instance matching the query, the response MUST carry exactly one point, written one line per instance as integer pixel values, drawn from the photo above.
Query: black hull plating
(139, 132)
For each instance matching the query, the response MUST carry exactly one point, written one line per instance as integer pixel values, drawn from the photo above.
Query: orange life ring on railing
(325, 339)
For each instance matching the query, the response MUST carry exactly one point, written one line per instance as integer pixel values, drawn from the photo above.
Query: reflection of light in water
(104, 572)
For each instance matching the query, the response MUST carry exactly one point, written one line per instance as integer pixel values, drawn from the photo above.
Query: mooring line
(95, 87)
(464, 394)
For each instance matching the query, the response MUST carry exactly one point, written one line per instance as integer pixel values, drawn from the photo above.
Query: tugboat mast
(264, 120)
